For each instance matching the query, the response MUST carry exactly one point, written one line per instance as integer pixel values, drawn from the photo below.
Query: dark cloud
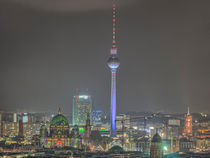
(49, 48)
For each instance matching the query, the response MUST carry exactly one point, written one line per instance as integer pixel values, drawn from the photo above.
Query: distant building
(15, 117)
(97, 116)
(43, 136)
(25, 118)
(203, 144)
(125, 119)
(20, 133)
(7, 117)
(10, 129)
(156, 150)
(186, 145)
(31, 129)
(143, 144)
(87, 130)
(82, 104)
(188, 124)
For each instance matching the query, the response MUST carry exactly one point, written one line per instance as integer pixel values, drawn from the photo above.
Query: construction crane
(131, 118)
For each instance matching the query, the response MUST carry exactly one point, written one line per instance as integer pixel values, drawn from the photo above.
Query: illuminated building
(31, 129)
(59, 133)
(203, 143)
(15, 117)
(156, 150)
(186, 145)
(126, 122)
(98, 117)
(25, 118)
(143, 144)
(20, 134)
(113, 63)
(76, 139)
(188, 124)
(43, 136)
(10, 129)
(87, 130)
(7, 117)
(82, 104)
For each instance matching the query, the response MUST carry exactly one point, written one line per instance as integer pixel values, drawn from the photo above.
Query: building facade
(188, 124)
(82, 105)
(59, 135)
(10, 129)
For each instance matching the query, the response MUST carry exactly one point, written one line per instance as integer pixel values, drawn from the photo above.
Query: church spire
(188, 110)
(59, 111)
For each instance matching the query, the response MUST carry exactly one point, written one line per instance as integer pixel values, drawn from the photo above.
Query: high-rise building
(113, 63)
(25, 118)
(15, 117)
(188, 124)
(82, 105)
(20, 129)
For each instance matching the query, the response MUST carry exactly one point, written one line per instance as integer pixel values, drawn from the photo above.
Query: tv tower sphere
(113, 62)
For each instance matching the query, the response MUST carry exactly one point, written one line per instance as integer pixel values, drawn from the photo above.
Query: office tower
(20, 128)
(82, 105)
(15, 117)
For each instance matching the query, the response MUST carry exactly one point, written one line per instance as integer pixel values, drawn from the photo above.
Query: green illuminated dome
(59, 120)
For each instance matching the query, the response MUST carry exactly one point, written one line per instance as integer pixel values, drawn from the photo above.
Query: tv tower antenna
(114, 24)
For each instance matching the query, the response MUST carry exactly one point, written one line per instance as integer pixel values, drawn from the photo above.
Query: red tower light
(188, 124)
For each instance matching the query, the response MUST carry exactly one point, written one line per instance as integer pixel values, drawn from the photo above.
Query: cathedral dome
(59, 120)
(156, 138)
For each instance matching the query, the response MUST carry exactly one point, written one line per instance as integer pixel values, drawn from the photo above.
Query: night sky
(48, 48)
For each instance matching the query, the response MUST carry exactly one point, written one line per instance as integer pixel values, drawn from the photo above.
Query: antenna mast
(114, 24)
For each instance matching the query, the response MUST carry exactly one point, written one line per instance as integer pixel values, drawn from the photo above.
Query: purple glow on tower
(113, 63)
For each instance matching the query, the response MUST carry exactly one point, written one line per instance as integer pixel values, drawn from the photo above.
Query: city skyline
(48, 52)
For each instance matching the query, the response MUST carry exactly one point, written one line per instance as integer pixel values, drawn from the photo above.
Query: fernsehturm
(113, 63)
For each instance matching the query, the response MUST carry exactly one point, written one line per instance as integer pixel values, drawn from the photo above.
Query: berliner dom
(59, 135)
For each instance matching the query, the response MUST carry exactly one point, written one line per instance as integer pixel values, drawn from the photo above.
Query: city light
(165, 148)
(83, 97)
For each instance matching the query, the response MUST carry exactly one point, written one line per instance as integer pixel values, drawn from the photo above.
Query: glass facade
(82, 104)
